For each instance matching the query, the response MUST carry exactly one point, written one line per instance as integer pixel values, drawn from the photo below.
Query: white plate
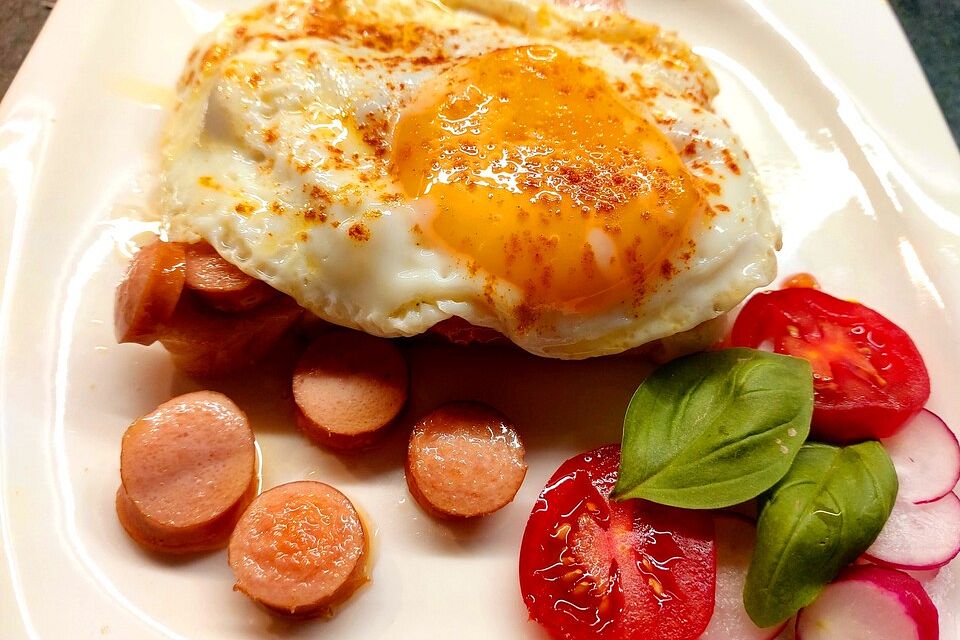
(861, 172)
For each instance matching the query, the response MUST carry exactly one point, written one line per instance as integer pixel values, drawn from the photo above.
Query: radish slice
(919, 536)
(735, 540)
(870, 603)
(926, 455)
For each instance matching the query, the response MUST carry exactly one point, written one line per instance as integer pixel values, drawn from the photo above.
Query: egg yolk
(531, 167)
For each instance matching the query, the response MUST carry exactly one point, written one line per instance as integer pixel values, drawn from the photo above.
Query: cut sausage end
(458, 331)
(206, 342)
(148, 293)
(221, 284)
(464, 460)
(337, 441)
(187, 470)
(299, 549)
(348, 387)
(214, 535)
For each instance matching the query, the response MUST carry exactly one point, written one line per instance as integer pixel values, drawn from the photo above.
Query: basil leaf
(715, 429)
(824, 513)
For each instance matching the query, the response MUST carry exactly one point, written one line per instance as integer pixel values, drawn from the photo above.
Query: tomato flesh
(868, 376)
(628, 570)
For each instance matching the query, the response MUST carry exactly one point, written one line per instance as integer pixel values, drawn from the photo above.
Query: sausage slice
(148, 293)
(348, 386)
(299, 549)
(458, 331)
(203, 341)
(464, 460)
(221, 284)
(187, 471)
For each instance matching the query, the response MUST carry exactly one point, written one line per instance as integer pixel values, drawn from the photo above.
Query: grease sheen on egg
(554, 174)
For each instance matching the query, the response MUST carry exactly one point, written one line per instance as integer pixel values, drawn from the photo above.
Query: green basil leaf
(824, 513)
(715, 429)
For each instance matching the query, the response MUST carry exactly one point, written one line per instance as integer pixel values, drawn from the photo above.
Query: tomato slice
(591, 567)
(868, 377)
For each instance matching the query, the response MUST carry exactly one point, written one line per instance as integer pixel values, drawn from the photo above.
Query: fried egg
(555, 174)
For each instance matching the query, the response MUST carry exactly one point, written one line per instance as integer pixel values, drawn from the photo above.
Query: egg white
(247, 166)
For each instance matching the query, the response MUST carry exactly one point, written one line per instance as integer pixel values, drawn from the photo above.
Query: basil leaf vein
(715, 429)
(824, 513)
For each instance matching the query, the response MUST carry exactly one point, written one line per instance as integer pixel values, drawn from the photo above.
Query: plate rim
(73, 20)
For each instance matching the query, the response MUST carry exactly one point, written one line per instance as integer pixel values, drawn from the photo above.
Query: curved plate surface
(861, 173)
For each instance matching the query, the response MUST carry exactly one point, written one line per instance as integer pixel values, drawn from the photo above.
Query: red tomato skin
(862, 411)
(645, 602)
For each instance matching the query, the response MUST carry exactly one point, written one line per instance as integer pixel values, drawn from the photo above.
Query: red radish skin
(919, 536)
(870, 603)
(926, 455)
(736, 536)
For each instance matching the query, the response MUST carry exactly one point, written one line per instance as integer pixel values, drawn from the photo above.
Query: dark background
(933, 27)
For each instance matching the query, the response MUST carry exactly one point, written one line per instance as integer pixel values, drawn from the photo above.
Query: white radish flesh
(926, 455)
(919, 536)
(870, 603)
(735, 540)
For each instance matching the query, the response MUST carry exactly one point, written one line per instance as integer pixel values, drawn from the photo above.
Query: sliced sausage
(348, 386)
(187, 472)
(148, 293)
(221, 284)
(464, 460)
(204, 341)
(142, 530)
(458, 331)
(299, 549)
